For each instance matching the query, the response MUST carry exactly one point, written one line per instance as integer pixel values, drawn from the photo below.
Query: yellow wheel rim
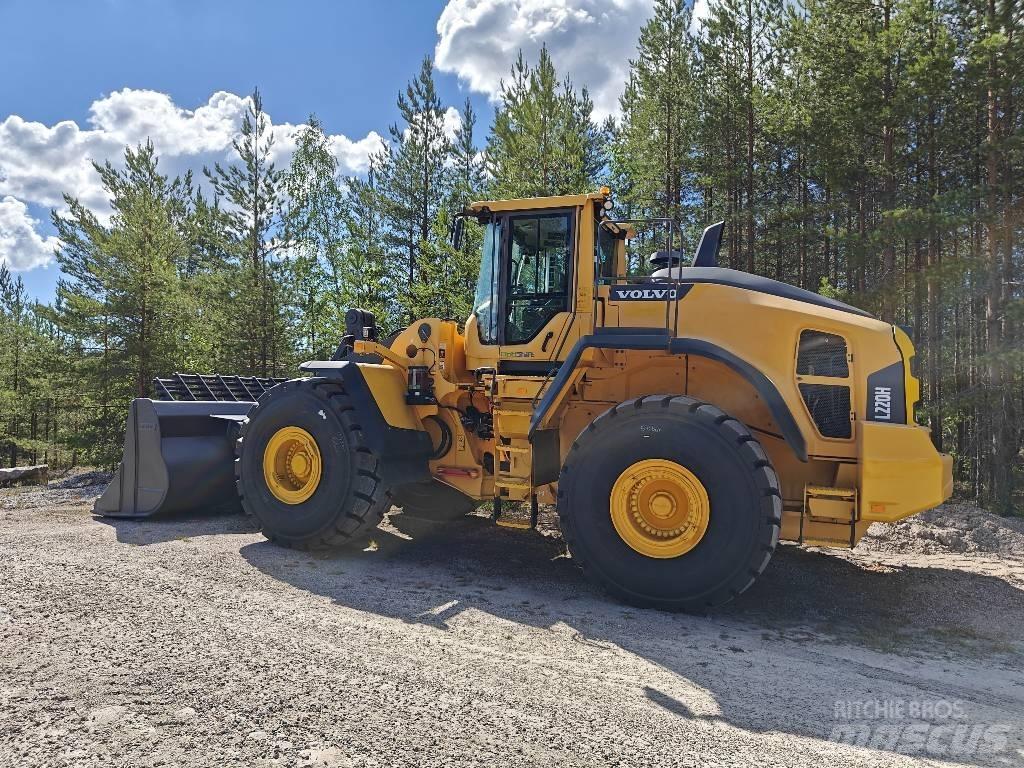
(291, 465)
(660, 508)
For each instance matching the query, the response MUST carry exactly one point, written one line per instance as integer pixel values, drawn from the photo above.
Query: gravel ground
(195, 642)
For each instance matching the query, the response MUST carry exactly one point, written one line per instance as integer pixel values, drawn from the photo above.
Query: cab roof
(539, 203)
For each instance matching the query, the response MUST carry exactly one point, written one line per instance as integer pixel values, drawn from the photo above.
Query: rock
(106, 715)
(331, 757)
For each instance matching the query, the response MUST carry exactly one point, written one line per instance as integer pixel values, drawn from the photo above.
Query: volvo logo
(645, 292)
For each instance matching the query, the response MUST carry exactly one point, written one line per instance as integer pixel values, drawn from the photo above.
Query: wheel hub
(659, 508)
(291, 465)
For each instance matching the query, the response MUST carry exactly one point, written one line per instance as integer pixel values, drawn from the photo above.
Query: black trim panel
(528, 367)
(887, 396)
(547, 458)
(736, 279)
(680, 346)
(658, 291)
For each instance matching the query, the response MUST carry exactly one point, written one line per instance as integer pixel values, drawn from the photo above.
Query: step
(516, 488)
(823, 492)
(514, 449)
(519, 525)
(820, 542)
(513, 483)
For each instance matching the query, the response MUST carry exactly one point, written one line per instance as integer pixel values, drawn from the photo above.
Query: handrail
(671, 319)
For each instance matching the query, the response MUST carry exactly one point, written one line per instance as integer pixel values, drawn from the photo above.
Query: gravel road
(194, 642)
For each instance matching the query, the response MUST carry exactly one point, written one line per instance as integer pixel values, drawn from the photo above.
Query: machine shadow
(804, 599)
(157, 530)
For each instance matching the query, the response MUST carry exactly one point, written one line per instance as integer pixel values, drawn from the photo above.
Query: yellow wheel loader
(683, 421)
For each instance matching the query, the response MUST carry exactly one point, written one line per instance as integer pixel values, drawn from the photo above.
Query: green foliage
(120, 296)
(315, 236)
(414, 181)
(870, 151)
(252, 328)
(543, 141)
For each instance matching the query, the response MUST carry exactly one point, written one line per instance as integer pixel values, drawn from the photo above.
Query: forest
(869, 150)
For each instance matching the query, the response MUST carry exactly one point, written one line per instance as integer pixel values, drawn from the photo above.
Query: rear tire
(742, 490)
(349, 499)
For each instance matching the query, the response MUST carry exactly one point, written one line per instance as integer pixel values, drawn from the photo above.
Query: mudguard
(389, 426)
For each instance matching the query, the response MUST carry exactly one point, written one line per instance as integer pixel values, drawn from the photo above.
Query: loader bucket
(178, 456)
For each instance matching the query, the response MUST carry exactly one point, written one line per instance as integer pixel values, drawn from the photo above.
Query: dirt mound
(77, 488)
(83, 479)
(953, 527)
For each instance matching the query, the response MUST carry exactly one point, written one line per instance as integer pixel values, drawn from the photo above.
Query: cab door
(536, 288)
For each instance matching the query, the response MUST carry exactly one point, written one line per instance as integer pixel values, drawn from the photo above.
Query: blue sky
(83, 78)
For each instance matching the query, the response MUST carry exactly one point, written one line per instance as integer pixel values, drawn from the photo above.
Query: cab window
(484, 304)
(538, 273)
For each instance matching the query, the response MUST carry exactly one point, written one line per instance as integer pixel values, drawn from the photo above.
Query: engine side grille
(822, 354)
(829, 406)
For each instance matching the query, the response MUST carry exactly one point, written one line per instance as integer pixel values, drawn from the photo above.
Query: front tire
(303, 469)
(668, 502)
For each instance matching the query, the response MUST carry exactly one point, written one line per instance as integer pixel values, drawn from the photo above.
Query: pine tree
(121, 293)
(372, 280)
(543, 140)
(253, 323)
(13, 341)
(414, 177)
(656, 135)
(315, 236)
(449, 274)
(468, 176)
(30, 354)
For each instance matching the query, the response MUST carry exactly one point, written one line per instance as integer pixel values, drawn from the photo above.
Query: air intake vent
(829, 406)
(822, 354)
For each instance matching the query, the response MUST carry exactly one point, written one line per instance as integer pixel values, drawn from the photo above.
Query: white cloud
(39, 162)
(452, 122)
(592, 40)
(701, 13)
(21, 247)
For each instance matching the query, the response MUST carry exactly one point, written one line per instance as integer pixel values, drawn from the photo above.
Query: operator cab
(525, 268)
(534, 271)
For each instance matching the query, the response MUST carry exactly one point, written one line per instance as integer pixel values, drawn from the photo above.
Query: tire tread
(759, 466)
(368, 505)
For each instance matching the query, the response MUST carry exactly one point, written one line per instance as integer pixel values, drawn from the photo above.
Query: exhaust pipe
(179, 452)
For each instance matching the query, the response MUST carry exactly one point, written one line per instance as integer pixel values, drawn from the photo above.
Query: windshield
(487, 285)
